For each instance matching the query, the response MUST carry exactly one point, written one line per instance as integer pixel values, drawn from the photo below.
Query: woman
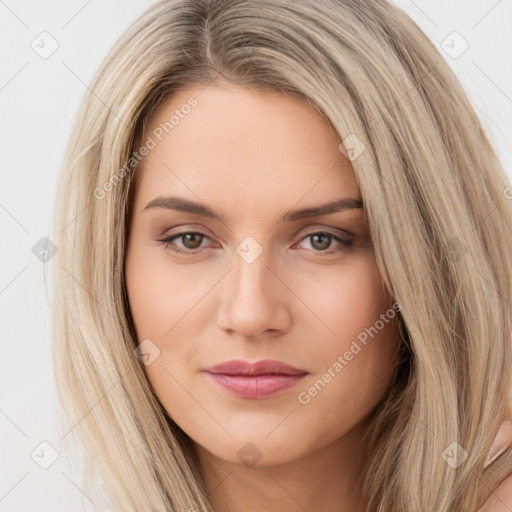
(344, 347)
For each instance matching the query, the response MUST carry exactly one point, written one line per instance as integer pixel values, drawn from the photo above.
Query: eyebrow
(185, 205)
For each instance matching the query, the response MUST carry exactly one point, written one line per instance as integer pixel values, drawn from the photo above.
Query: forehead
(237, 146)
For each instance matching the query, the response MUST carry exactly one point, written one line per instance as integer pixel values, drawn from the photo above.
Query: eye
(320, 241)
(191, 242)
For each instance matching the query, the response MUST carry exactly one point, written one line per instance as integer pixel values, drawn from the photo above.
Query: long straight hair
(437, 202)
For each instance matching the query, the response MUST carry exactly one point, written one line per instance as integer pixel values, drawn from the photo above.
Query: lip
(261, 379)
(262, 367)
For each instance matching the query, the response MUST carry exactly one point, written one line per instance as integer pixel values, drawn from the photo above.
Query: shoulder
(501, 499)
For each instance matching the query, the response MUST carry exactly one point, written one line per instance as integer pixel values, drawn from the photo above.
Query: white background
(38, 101)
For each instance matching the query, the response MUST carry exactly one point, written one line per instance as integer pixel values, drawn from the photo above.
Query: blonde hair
(435, 198)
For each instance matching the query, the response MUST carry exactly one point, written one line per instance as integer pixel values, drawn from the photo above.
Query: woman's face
(255, 279)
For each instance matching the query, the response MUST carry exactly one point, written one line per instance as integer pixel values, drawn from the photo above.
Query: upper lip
(263, 367)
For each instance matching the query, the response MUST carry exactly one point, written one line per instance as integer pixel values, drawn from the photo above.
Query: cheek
(168, 307)
(354, 350)
(346, 303)
(158, 297)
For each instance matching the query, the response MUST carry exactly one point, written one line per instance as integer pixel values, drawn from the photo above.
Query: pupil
(186, 239)
(326, 239)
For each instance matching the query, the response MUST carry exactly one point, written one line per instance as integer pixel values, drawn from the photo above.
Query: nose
(255, 302)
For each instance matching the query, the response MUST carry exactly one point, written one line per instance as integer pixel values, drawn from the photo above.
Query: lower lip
(256, 386)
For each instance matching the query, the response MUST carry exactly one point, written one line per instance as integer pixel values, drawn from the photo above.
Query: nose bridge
(251, 271)
(252, 303)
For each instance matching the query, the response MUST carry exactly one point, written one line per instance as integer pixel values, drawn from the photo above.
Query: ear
(502, 441)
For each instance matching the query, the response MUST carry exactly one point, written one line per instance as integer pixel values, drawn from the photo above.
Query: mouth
(256, 380)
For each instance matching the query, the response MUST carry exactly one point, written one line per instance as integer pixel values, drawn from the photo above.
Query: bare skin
(253, 156)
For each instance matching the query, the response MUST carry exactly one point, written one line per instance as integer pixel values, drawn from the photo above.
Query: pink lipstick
(262, 379)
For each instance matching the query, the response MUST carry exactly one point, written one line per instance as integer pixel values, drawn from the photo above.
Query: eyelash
(167, 242)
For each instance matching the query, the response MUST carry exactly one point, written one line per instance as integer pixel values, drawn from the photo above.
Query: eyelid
(184, 228)
(317, 228)
(308, 230)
